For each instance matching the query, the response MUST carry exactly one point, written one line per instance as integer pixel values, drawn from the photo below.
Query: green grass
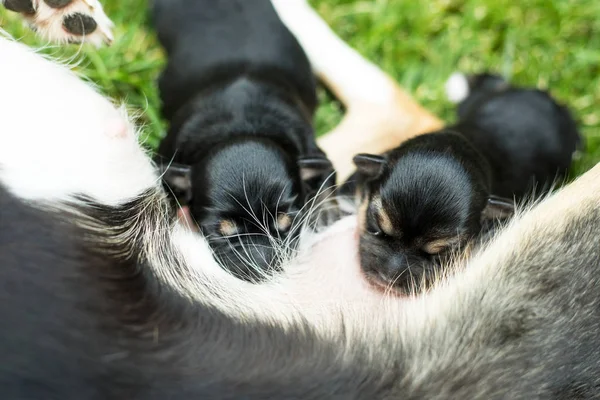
(553, 44)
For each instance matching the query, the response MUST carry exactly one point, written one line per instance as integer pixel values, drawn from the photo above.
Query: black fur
(527, 137)
(86, 320)
(519, 142)
(433, 187)
(239, 93)
(82, 321)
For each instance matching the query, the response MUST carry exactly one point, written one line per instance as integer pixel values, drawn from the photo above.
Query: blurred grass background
(551, 44)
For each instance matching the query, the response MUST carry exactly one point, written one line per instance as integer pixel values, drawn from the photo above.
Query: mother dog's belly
(327, 271)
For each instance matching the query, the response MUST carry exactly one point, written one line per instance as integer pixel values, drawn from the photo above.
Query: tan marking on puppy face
(376, 203)
(383, 219)
(362, 215)
(228, 228)
(284, 222)
(437, 246)
(359, 195)
(385, 223)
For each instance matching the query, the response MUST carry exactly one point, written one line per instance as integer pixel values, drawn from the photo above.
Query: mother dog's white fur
(60, 137)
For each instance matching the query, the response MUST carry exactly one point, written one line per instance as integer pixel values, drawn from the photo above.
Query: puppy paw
(66, 21)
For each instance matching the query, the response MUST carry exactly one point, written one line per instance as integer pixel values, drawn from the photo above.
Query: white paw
(66, 21)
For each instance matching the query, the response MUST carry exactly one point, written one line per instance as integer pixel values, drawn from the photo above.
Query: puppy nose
(263, 258)
(402, 266)
(396, 264)
(250, 262)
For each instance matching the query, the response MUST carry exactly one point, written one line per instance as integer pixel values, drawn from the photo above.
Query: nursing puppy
(239, 94)
(433, 194)
(421, 202)
(103, 295)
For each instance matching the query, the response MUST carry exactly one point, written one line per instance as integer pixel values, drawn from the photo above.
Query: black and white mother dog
(104, 295)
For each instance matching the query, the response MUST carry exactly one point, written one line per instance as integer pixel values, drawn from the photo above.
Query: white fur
(60, 138)
(48, 22)
(457, 87)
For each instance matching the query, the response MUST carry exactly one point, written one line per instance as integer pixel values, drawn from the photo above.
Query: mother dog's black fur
(83, 321)
(80, 321)
(240, 96)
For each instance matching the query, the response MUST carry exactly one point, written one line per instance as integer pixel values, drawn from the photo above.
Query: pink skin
(331, 269)
(328, 273)
(184, 216)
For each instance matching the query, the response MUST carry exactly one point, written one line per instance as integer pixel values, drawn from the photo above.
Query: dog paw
(66, 21)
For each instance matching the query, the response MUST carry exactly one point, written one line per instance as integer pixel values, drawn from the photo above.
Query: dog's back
(212, 41)
(528, 138)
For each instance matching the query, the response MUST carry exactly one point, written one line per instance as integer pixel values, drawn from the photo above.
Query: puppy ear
(369, 165)
(318, 180)
(312, 167)
(498, 208)
(317, 175)
(178, 179)
(488, 82)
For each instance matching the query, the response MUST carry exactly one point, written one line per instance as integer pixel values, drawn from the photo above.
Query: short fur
(521, 142)
(65, 21)
(421, 201)
(240, 96)
(528, 138)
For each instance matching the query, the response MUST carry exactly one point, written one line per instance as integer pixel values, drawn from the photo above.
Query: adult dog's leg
(65, 21)
(380, 115)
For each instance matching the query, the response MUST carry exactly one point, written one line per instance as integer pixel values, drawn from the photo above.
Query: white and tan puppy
(103, 295)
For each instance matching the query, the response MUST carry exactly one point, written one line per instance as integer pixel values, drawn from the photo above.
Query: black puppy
(239, 94)
(527, 137)
(432, 194)
(419, 202)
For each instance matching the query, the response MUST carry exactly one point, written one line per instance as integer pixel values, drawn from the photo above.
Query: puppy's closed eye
(378, 221)
(372, 226)
(228, 227)
(437, 246)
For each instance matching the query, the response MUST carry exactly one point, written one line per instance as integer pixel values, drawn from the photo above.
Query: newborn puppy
(526, 136)
(436, 192)
(239, 94)
(419, 202)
